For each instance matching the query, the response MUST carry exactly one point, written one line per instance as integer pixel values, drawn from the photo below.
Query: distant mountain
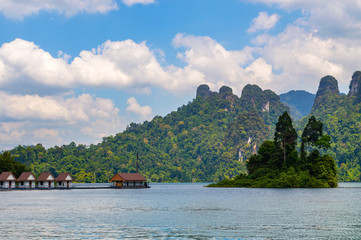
(300, 102)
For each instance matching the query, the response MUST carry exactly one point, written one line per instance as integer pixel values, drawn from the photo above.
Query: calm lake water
(182, 211)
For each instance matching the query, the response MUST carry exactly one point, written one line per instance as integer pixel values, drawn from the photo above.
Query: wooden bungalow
(46, 180)
(26, 180)
(7, 180)
(129, 180)
(64, 180)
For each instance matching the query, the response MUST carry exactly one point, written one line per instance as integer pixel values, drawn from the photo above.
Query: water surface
(182, 211)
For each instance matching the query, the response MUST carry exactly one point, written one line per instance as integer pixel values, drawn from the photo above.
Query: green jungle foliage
(8, 164)
(209, 139)
(341, 117)
(206, 140)
(278, 164)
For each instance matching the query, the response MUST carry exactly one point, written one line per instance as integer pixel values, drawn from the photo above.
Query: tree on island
(278, 164)
(286, 138)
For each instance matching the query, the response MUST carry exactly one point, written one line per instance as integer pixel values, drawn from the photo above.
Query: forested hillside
(341, 115)
(279, 165)
(206, 140)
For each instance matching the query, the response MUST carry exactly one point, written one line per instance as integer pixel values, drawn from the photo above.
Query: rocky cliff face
(225, 91)
(265, 102)
(253, 97)
(328, 88)
(203, 91)
(355, 86)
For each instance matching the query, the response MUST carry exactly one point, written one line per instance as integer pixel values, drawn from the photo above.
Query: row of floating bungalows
(27, 180)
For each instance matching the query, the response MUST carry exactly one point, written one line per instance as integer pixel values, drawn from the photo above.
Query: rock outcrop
(355, 86)
(226, 91)
(203, 91)
(328, 88)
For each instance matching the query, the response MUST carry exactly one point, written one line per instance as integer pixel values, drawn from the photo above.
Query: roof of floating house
(46, 176)
(64, 177)
(128, 177)
(7, 176)
(26, 176)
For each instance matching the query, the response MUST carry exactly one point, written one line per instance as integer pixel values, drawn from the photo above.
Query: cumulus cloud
(331, 18)
(116, 64)
(325, 40)
(43, 135)
(145, 112)
(219, 65)
(12, 132)
(301, 59)
(294, 59)
(20, 9)
(34, 119)
(132, 2)
(277, 62)
(263, 22)
(120, 64)
(24, 63)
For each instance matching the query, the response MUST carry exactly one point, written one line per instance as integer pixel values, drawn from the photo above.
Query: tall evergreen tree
(285, 135)
(311, 134)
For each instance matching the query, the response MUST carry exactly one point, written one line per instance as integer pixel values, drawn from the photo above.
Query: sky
(81, 70)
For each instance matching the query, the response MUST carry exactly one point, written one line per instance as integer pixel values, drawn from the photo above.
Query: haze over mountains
(299, 101)
(211, 137)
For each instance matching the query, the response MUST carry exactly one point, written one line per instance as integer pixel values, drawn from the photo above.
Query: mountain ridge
(207, 140)
(300, 102)
(190, 144)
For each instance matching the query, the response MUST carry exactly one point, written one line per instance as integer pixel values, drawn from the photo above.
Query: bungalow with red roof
(26, 180)
(129, 180)
(7, 180)
(64, 180)
(46, 180)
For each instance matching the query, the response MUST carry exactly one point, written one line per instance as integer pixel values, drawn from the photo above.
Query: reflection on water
(182, 211)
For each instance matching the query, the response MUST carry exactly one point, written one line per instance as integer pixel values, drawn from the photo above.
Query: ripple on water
(182, 211)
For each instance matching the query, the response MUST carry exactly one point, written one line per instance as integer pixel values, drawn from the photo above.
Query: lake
(182, 211)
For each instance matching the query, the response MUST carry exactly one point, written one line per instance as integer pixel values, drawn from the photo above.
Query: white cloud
(132, 2)
(43, 135)
(22, 8)
(24, 62)
(332, 18)
(31, 119)
(289, 59)
(294, 59)
(218, 65)
(41, 108)
(301, 59)
(12, 132)
(263, 22)
(120, 64)
(145, 112)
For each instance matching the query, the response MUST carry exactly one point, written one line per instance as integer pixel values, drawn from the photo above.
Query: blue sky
(80, 70)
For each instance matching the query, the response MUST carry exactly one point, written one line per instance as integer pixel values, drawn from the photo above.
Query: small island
(279, 165)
